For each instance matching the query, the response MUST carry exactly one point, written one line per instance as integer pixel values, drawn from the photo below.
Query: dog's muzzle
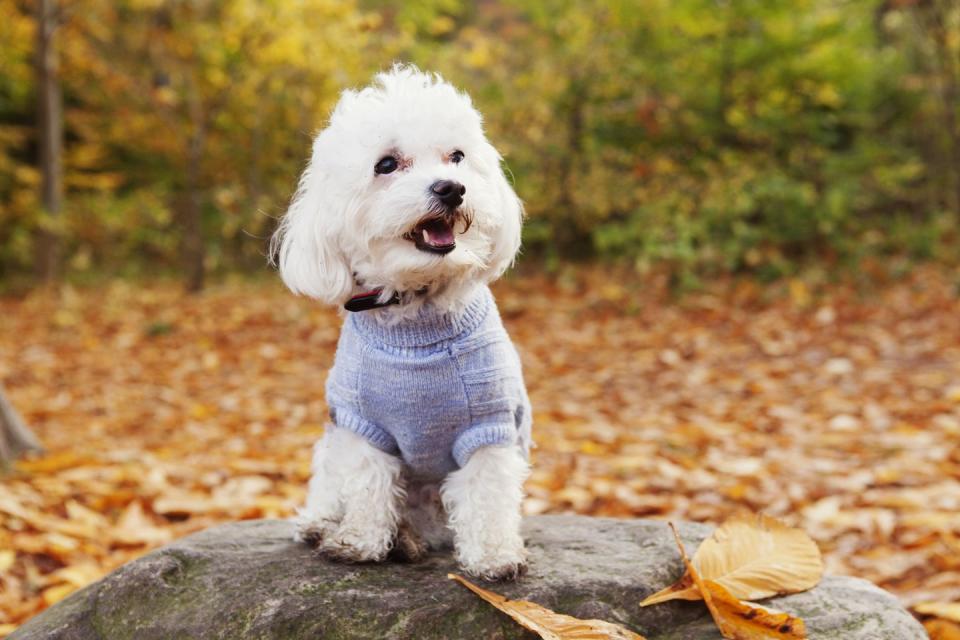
(436, 233)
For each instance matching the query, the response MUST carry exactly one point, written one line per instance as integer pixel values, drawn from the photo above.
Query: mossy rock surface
(250, 580)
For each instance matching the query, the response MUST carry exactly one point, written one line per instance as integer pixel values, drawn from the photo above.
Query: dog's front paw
(498, 569)
(312, 531)
(408, 547)
(354, 545)
(506, 561)
(492, 554)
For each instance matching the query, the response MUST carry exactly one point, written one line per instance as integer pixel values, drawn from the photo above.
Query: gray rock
(249, 580)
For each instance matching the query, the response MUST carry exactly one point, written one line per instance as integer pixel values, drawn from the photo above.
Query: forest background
(699, 137)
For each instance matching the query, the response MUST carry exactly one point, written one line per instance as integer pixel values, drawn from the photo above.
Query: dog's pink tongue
(438, 233)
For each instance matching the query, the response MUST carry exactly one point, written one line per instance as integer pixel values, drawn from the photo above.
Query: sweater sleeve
(524, 421)
(490, 370)
(343, 395)
(477, 437)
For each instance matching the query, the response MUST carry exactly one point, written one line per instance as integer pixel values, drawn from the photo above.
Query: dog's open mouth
(434, 235)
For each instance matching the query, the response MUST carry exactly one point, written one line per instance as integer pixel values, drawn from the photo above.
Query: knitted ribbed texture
(432, 389)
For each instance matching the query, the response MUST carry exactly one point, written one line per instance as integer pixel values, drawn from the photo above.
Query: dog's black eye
(386, 164)
(456, 157)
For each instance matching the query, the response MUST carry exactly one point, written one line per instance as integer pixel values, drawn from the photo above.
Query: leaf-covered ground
(836, 411)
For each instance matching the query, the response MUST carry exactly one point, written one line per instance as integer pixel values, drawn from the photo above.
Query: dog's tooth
(426, 236)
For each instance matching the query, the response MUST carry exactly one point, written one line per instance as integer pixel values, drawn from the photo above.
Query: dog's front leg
(354, 500)
(323, 510)
(483, 502)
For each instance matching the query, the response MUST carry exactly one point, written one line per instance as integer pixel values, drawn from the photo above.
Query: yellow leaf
(549, 624)
(7, 558)
(682, 589)
(53, 595)
(799, 293)
(184, 502)
(200, 411)
(828, 95)
(942, 629)
(479, 55)
(58, 545)
(65, 318)
(945, 610)
(953, 394)
(753, 557)
(51, 463)
(135, 528)
(739, 621)
(442, 25)
(79, 575)
(81, 515)
(736, 620)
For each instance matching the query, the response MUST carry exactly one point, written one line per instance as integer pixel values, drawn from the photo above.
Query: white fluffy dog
(403, 216)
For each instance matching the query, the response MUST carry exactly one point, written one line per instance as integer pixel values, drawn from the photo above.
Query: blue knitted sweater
(431, 389)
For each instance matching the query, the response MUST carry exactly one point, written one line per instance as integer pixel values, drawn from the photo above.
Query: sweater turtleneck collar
(429, 326)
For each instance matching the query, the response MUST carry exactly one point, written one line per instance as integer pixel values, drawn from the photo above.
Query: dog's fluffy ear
(305, 246)
(507, 244)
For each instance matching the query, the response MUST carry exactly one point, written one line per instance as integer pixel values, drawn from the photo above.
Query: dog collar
(370, 300)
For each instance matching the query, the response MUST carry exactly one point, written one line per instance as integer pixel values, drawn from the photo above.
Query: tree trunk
(726, 133)
(192, 245)
(570, 234)
(934, 19)
(15, 437)
(50, 123)
(950, 98)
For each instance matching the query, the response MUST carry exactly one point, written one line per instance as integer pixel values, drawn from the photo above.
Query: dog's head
(404, 192)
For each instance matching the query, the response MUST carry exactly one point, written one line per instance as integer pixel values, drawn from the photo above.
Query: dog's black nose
(449, 192)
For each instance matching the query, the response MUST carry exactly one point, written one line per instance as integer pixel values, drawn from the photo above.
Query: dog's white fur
(344, 234)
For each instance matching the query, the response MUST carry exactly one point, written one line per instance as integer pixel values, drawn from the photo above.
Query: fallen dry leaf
(752, 557)
(693, 408)
(737, 620)
(135, 528)
(7, 557)
(942, 629)
(78, 575)
(53, 595)
(184, 503)
(946, 610)
(548, 624)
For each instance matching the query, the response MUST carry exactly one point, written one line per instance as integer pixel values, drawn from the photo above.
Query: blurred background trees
(697, 136)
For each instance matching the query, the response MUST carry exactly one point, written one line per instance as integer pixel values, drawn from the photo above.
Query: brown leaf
(549, 624)
(736, 620)
(752, 557)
